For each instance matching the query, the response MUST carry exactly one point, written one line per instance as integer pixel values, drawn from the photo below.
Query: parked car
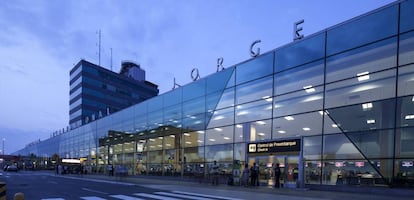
(12, 168)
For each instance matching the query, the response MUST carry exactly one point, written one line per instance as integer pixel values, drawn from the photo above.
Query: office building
(333, 108)
(96, 92)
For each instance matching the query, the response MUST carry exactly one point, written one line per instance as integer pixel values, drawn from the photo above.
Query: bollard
(19, 196)
(2, 191)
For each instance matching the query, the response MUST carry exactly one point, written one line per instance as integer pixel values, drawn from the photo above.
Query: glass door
(290, 171)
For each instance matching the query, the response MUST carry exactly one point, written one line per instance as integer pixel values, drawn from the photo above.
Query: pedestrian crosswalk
(166, 195)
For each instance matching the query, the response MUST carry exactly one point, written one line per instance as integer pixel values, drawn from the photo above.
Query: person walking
(245, 175)
(254, 173)
(215, 172)
(277, 175)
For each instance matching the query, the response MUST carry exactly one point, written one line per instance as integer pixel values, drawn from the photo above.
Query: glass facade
(346, 94)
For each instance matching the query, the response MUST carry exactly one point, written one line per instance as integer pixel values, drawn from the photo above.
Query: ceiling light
(412, 99)
(371, 121)
(407, 117)
(212, 140)
(334, 125)
(309, 89)
(261, 122)
(306, 129)
(200, 132)
(261, 134)
(218, 117)
(199, 141)
(239, 126)
(173, 136)
(363, 76)
(186, 134)
(242, 113)
(218, 129)
(289, 118)
(366, 106)
(226, 138)
(282, 132)
(188, 142)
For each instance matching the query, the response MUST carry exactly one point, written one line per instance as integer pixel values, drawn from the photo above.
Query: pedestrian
(254, 174)
(59, 169)
(215, 172)
(277, 175)
(245, 175)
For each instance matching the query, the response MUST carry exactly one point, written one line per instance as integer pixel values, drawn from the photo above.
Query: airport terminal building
(333, 108)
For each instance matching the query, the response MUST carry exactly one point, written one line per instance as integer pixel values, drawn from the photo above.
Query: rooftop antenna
(99, 47)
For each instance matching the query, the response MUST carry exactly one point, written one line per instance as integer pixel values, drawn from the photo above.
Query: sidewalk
(317, 191)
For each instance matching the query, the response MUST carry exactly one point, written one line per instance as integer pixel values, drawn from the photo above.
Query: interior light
(282, 132)
(412, 99)
(226, 138)
(334, 125)
(212, 140)
(152, 140)
(188, 142)
(309, 89)
(371, 121)
(173, 136)
(168, 145)
(408, 117)
(289, 118)
(261, 122)
(199, 141)
(239, 126)
(242, 113)
(363, 76)
(366, 106)
(186, 134)
(160, 138)
(306, 129)
(200, 132)
(218, 129)
(219, 117)
(261, 134)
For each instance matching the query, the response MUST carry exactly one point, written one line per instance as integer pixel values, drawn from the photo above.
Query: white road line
(92, 198)
(206, 195)
(124, 197)
(155, 196)
(96, 191)
(182, 196)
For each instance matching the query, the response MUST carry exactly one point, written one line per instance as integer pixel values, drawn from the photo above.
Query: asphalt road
(48, 186)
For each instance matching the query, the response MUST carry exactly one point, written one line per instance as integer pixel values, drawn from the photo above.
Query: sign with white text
(274, 146)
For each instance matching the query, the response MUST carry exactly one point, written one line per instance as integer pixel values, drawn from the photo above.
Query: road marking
(96, 191)
(182, 196)
(97, 180)
(124, 197)
(92, 198)
(155, 196)
(206, 195)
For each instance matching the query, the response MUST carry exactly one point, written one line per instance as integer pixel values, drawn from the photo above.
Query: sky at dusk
(40, 42)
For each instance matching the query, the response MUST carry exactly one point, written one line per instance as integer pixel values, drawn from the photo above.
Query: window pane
(255, 68)
(255, 131)
(223, 152)
(372, 58)
(296, 79)
(361, 117)
(303, 51)
(221, 117)
(406, 54)
(155, 103)
(369, 87)
(193, 139)
(363, 30)
(407, 16)
(155, 143)
(297, 125)
(194, 122)
(194, 106)
(253, 111)
(312, 147)
(406, 80)
(405, 111)
(174, 97)
(220, 135)
(220, 100)
(339, 147)
(170, 141)
(195, 154)
(404, 143)
(309, 99)
(259, 89)
(374, 144)
(194, 89)
(219, 81)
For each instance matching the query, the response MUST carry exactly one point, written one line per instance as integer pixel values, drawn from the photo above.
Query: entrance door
(289, 166)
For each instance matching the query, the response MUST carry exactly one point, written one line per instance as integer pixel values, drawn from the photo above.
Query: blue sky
(40, 41)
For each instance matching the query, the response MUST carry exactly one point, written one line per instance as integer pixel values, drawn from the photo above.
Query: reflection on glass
(256, 68)
(298, 125)
(362, 61)
(381, 85)
(309, 99)
(254, 90)
(220, 135)
(261, 109)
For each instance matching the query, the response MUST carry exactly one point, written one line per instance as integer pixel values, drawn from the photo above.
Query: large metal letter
(296, 30)
(194, 74)
(220, 64)
(175, 84)
(252, 53)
